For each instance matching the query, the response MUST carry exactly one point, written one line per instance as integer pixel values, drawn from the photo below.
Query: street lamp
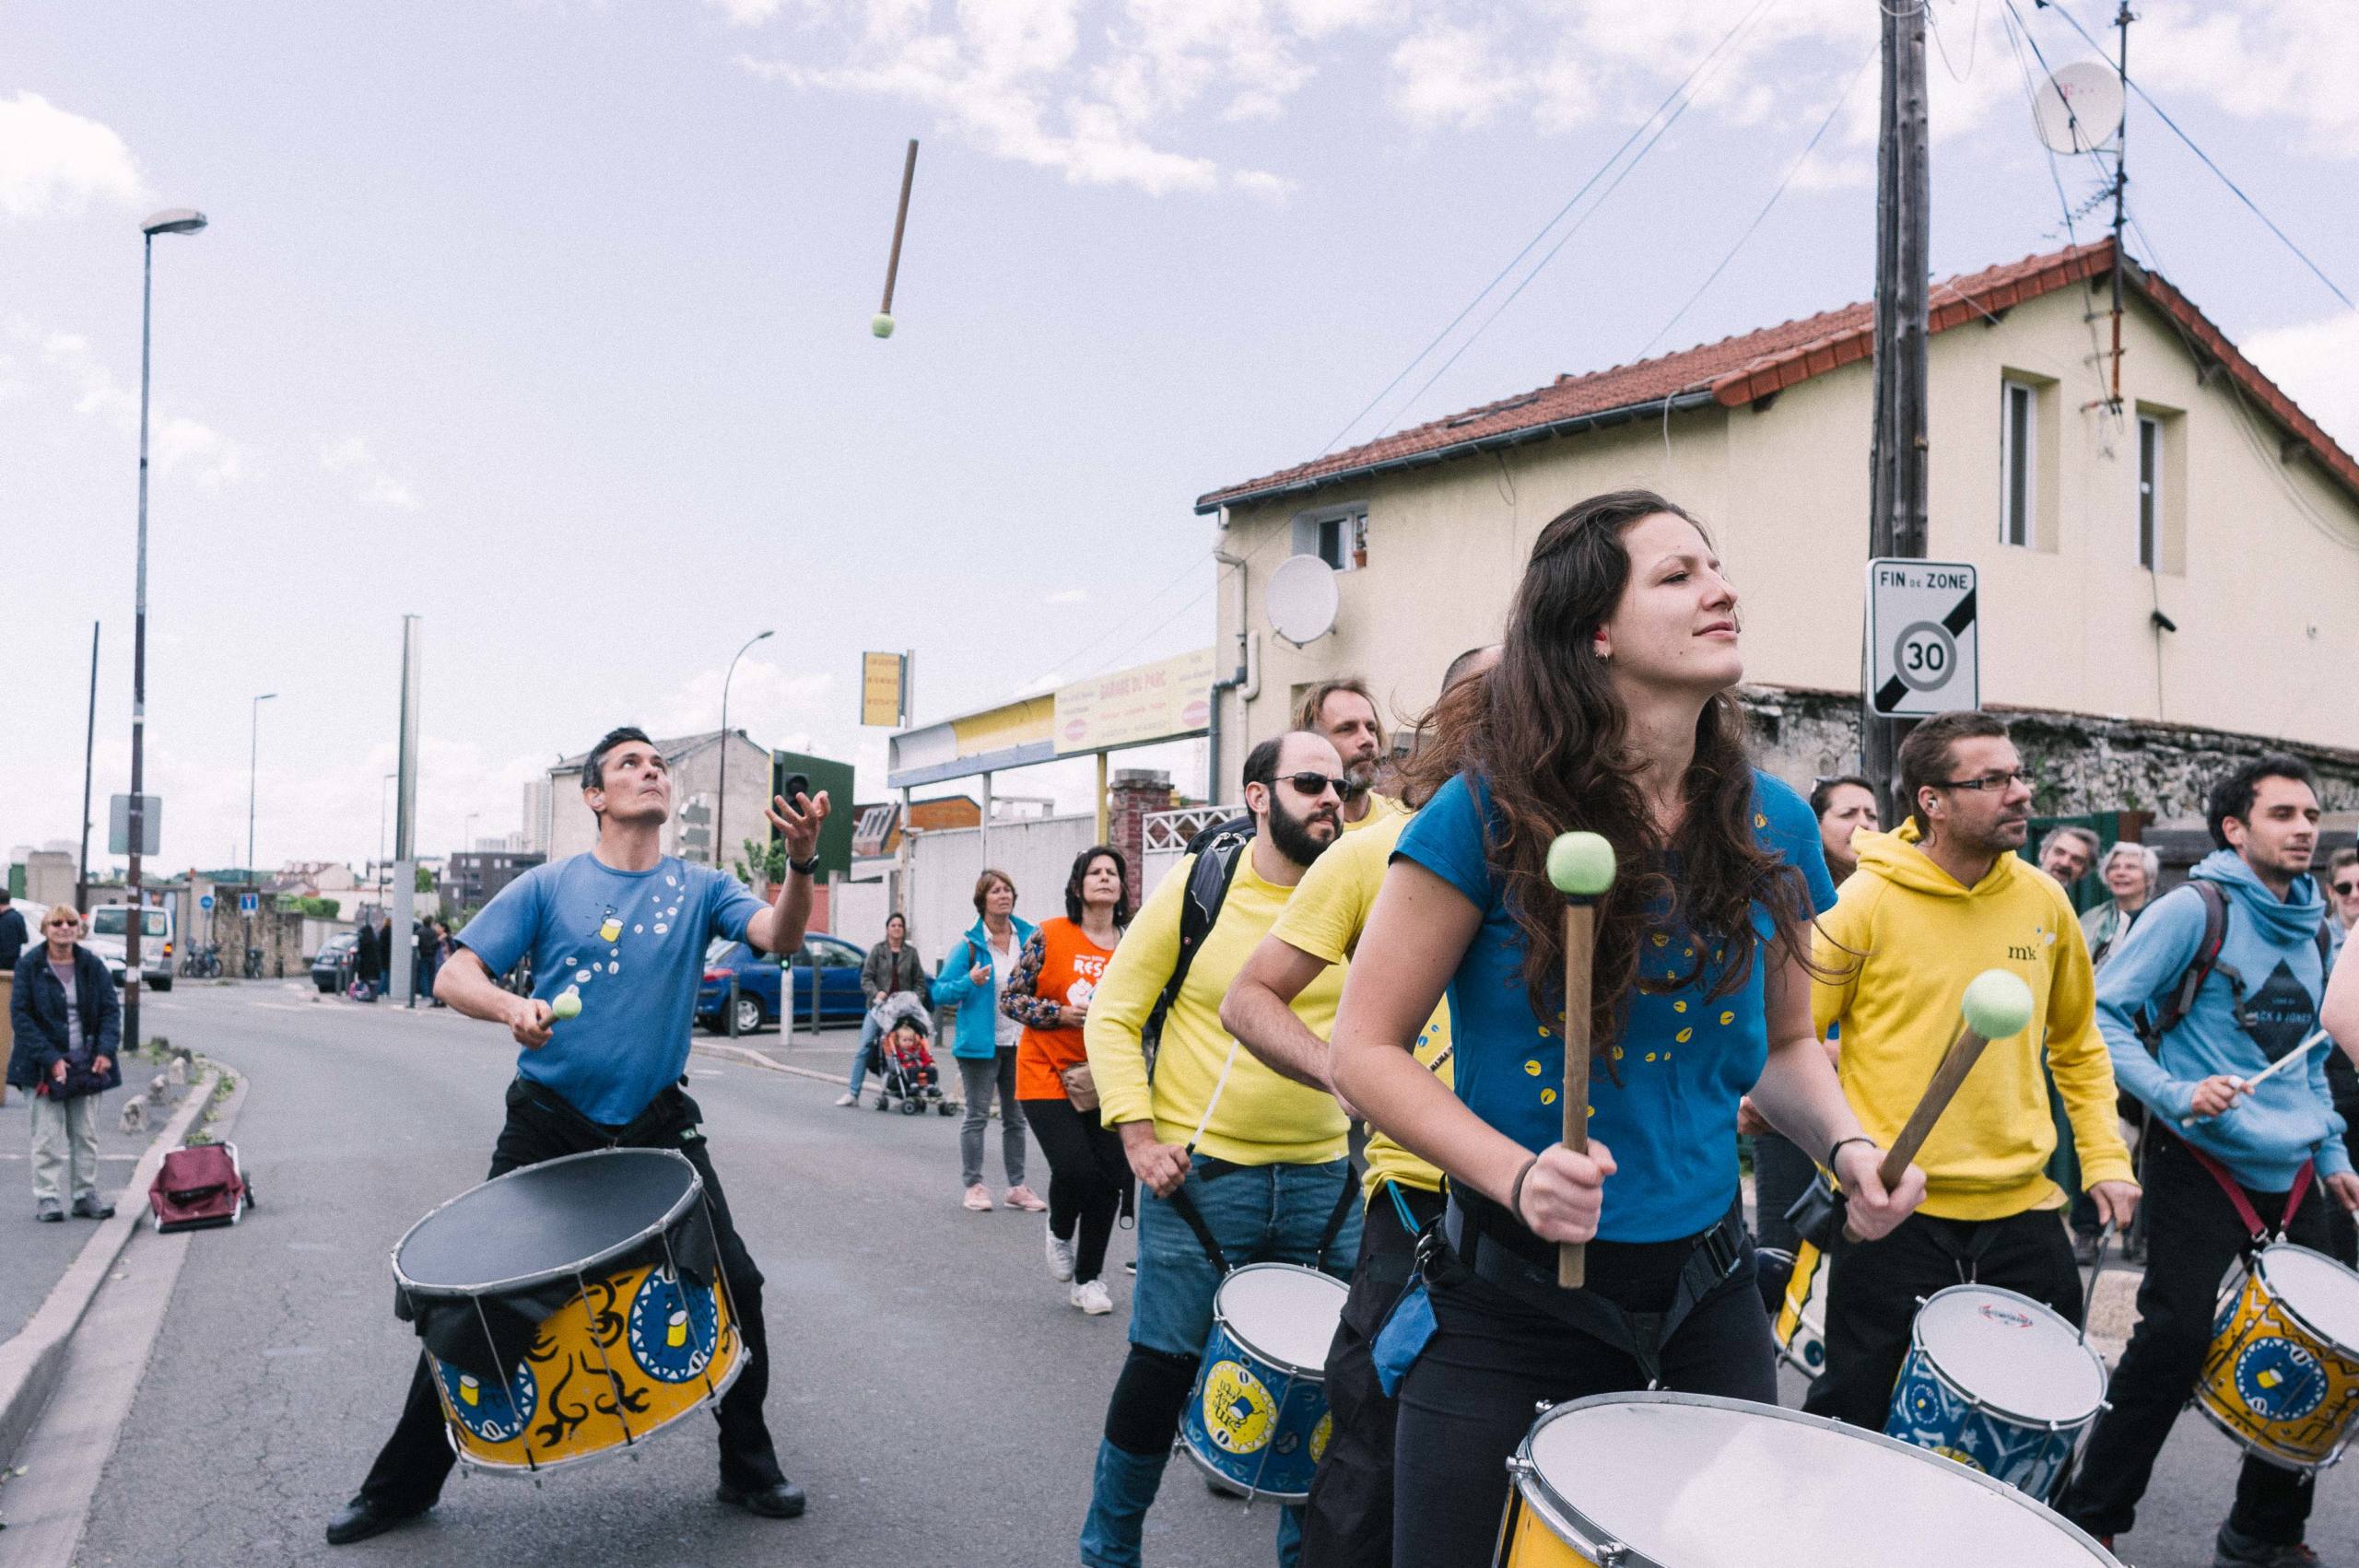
(253, 744)
(178, 220)
(721, 805)
(381, 794)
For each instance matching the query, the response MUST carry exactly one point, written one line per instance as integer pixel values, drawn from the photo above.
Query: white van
(109, 923)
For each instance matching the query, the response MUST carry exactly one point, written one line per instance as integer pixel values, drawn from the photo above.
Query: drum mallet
(1581, 866)
(1997, 1005)
(2247, 1086)
(882, 325)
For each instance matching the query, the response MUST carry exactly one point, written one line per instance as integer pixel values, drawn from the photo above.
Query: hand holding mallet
(1581, 866)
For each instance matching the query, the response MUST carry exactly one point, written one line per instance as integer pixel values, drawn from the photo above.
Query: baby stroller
(904, 1061)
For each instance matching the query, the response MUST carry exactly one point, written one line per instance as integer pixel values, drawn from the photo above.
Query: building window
(2018, 462)
(1337, 535)
(2149, 490)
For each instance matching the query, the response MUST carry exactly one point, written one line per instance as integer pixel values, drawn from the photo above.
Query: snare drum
(1681, 1480)
(1257, 1418)
(2000, 1382)
(2282, 1373)
(1800, 1325)
(569, 1309)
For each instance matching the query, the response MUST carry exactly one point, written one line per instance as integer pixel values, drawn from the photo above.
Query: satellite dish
(2078, 107)
(1301, 598)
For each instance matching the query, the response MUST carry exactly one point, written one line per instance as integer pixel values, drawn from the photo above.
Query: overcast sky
(548, 321)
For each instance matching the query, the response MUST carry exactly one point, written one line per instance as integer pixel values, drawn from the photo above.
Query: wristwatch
(803, 868)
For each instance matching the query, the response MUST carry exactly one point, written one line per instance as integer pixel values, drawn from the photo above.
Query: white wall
(1037, 856)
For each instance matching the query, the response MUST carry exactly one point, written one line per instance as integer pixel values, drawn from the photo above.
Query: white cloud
(178, 442)
(53, 160)
(767, 701)
(2258, 59)
(371, 483)
(2317, 364)
(1450, 76)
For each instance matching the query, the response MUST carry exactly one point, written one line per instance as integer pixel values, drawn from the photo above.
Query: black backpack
(2153, 1024)
(1217, 849)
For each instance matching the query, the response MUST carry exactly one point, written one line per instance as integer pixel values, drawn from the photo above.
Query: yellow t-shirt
(1381, 809)
(1260, 1118)
(1324, 918)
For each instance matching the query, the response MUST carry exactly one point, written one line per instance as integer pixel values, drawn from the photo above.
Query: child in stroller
(905, 1063)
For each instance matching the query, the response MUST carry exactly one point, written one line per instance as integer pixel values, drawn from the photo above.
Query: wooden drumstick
(1997, 1006)
(1581, 866)
(882, 324)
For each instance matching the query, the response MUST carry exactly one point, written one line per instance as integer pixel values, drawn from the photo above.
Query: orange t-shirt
(1070, 967)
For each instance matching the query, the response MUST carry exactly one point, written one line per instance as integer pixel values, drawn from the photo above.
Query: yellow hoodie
(1900, 944)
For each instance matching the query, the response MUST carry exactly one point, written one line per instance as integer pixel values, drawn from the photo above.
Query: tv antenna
(2085, 107)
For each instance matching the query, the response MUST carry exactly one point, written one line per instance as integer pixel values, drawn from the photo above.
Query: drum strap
(1185, 1207)
(2245, 1211)
(1717, 1255)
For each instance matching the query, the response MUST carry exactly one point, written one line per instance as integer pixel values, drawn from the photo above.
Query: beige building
(2177, 577)
(695, 762)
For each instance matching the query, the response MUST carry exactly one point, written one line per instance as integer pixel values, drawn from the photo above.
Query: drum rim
(2270, 1452)
(672, 1216)
(486, 1466)
(2259, 1268)
(1917, 1347)
(1228, 1325)
(1584, 1533)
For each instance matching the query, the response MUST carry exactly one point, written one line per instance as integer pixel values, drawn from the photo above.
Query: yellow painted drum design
(571, 1308)
(2282, 1373)
(1682, 1481)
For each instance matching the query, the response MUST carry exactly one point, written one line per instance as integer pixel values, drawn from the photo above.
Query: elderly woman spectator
(68, 1029)
(974, 974)
(2132, 874)
(892, 965)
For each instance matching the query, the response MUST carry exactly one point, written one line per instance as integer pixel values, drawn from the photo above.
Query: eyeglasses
(1987, 781)
(1317, 784)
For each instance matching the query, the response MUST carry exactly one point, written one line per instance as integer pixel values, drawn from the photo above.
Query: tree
(425, 880)
(771, 858)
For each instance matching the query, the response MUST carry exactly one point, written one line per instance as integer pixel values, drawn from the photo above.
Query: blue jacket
(37, 1008)
(2272, 943)
(976, 1036)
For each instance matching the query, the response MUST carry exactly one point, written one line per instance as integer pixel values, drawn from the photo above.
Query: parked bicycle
(253, 964)
(202, 963)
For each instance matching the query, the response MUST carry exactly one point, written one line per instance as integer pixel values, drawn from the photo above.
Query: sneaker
(1090, 1297)
(1059, 1257)
(1024, 1198)
(848, 1100)
(977, 1199)
(50, 1212)
(2234, 1549)
(88, 1207)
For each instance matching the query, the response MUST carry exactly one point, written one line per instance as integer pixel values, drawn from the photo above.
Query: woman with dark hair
(1089, 1176)
(1611, 711)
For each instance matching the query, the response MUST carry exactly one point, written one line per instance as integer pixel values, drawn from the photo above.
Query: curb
(31, 1364)
(756, 1059)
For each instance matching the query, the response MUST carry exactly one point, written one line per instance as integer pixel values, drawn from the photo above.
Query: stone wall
(1134, 794)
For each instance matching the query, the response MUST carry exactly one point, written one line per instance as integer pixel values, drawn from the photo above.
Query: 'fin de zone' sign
(1922, 653)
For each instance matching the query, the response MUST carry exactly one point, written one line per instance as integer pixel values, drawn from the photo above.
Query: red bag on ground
(200, 1185)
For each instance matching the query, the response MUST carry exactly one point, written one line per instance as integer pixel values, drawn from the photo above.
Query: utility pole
(89, 748)
(1896, 454)
(401, 951)
(2120, 191)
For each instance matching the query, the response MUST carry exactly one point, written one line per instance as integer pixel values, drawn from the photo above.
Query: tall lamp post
(721, 803)
(253, 750)
(383, 800)
(178, 220)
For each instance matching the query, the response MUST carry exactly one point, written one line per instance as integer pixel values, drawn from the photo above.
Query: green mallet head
(1580, 865)
(881, 324)
(1997, 1005)
(566, 1005)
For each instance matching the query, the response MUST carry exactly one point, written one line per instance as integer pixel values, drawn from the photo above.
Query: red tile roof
(1757, 365)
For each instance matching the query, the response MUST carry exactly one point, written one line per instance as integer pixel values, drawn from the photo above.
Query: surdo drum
(1998, 1381)
(2282, 1373)
(1257, 1418)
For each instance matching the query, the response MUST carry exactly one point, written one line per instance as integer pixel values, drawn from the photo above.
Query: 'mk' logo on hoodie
(2029, 952)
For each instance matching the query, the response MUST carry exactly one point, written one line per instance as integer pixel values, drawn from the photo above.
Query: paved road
(935, 1394)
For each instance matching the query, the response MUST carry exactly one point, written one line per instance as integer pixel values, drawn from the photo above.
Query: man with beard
(1238, 1164)
(1344, 712)
(2068, 852)
(1935, 904)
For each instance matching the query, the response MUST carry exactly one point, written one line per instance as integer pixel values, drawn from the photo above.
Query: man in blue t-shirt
(616, 938)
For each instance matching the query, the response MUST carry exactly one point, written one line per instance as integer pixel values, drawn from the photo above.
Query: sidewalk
(34, 1256)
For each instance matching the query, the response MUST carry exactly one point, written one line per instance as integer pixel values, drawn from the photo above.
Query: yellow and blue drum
(1258, 1418)
(1799, 1326)
(2282, 1375)
(572, 1308)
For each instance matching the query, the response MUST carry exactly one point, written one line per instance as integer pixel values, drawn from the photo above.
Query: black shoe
(92, 1209)
(2085, 1247)
(360, 1518)
(779, 1499)
(50, 1215)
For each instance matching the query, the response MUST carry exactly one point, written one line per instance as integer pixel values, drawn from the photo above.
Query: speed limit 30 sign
(1922, 654)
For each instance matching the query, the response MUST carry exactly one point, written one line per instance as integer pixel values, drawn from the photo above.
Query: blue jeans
(1258, 1214)
(869, 1034)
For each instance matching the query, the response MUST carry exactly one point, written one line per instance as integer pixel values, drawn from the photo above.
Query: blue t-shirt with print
(1684, 1058)
(632, 945)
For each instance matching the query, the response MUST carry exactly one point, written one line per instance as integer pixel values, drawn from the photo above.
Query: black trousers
(1781, 1172)
(1087, 1176)
(1873, 1289)
(1348, 1520)
(1468, 1400)
(2194, 1236)
(416, 1461)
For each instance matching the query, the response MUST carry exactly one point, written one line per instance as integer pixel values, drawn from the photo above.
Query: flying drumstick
(1997, 1004)
(1581, 866)
(882, 325)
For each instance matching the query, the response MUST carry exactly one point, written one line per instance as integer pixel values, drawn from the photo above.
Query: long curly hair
(1548, 735)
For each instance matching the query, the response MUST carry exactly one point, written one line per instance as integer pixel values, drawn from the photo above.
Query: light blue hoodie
(2272, 943)
(978, 1005)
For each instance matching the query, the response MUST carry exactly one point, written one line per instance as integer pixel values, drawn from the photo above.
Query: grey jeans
(979, 1078)
(65, 1143)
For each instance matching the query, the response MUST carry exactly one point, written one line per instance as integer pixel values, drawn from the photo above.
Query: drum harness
(2259, 1231)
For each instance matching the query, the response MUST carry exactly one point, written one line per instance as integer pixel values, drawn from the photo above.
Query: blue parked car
(836, 962)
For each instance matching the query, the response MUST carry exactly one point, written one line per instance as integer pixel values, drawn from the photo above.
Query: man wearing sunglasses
(1238, 1164)
(1935, 902)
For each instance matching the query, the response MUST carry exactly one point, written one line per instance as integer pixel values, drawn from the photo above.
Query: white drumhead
(2011, 1352)
(2321, 1291)
(1718, 1483)
(1282, 1312)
